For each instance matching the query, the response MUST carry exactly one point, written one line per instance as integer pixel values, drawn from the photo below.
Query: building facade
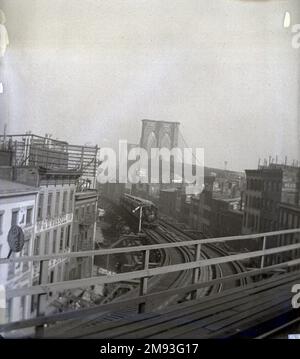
(288, 218)
(262, 197)
(84, 232)
(201, 207)
(226, 217)
(170, 202)
(267, 187)
(271, 202)
(54, 219)
(56, 170)
(17, 207)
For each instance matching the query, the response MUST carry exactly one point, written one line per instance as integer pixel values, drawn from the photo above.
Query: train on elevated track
(136, 206)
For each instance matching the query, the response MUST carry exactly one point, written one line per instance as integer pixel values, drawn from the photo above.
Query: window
(25, 253)
(14, 217)
(37, 245)
(57, 199)
(68, 236)
(34, 301)
(40, 207)
(290, 220)
(257, 222)
(61, 242)
(1, 221)
(64, 204)
(54, 241)
(59, 274)
(278, 186)
(46, 251)
(71, 201)
(23, 307)
(295, 220)
(11, 269)
(75, 239)
(29, 217)
(270, 185)
(93, 209)
(80, 270)
(250, 201)
(52, 277)
(9, 309)
(266, 186)
(49, 205)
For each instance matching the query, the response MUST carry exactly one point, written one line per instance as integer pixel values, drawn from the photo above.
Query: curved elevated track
(164, 233)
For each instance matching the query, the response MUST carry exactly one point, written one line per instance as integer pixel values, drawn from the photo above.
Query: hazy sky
(89, 71)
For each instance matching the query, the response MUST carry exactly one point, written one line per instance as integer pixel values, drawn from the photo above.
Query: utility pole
(140, 216)
(140, 220)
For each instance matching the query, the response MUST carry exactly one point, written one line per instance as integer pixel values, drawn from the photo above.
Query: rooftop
(292, 206)
(169, 190)
(9, 188)
(227, 199)
(44, 152)
(172, 122)
(86, 193)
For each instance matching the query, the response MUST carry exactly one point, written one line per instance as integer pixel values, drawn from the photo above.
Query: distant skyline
(89, 72)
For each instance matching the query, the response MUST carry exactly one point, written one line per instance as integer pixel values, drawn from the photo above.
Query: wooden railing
(44, 288)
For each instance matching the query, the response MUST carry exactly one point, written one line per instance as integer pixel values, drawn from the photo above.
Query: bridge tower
(156, 134)
(159, 134)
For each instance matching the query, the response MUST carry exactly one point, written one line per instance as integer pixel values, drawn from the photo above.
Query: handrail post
(41, 303)
(263, 255)
(144, 281)
(196, 271)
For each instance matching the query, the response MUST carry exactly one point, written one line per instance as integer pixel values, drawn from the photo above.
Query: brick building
(266, 188)
(17, 207)
(55, 169)
(271, 201)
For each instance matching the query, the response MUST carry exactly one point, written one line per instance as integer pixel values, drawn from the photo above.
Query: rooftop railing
(36, 151)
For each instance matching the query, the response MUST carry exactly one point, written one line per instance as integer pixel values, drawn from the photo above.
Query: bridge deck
(244, 312)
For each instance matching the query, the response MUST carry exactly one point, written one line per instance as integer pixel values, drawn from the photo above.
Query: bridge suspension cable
(190, 149)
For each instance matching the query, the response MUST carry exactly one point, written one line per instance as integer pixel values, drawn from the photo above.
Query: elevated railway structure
(159, 283)
(248, 310)
(209, 251)
(164, 233)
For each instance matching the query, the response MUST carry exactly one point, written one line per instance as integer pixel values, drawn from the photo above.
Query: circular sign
(15, 239)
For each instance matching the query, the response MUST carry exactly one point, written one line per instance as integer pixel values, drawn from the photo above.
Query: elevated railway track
(170, 256)
(164, 233)
(209, 251)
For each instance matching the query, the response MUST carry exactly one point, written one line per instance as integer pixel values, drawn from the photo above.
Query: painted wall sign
(15, 239)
